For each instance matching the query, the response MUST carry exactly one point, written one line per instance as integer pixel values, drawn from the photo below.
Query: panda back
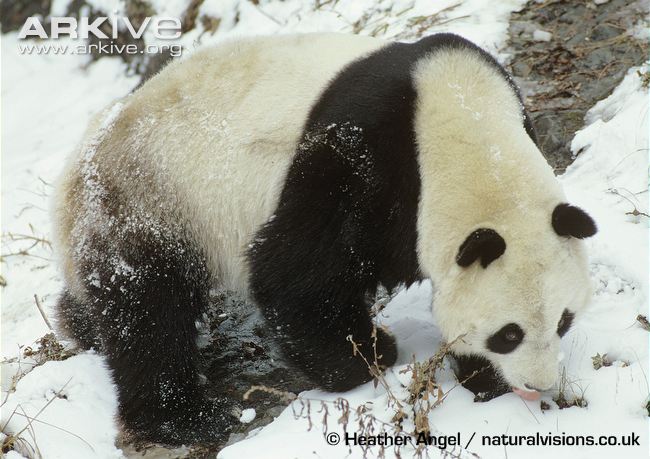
(205, 144)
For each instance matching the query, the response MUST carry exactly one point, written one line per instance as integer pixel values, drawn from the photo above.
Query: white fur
(480, 169)
(208, 142)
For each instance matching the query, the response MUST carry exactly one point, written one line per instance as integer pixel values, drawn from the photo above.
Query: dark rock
(14, 13)
(242, 353)
(587, 57)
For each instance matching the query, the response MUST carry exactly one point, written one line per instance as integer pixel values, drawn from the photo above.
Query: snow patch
(78, 403)
(247, 415)
(542, 35)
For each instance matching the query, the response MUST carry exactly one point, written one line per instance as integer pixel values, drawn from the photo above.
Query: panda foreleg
(478, 375)
(148, 291)
(313, 293)
(315, 335)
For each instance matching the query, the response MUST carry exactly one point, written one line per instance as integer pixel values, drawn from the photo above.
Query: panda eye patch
(506, 340)
(565, 322)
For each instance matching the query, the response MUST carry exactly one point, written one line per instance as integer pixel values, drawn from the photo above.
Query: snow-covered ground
(47, 101)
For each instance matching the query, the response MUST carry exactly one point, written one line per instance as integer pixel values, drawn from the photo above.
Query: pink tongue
(527, 394)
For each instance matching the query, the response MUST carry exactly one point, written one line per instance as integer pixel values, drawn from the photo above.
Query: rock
(14, 13)
(562, 79)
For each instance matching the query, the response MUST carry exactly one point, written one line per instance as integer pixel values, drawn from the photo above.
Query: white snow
(170, 8)
(482, 21)
(47, 101)
(109, 7)
(59, 7)
(247, 415)
(542, 35)
(640, 31)
(78, 406)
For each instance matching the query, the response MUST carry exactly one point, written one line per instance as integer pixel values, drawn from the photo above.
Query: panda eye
(511, 335)
(506, 340)
(565, 323)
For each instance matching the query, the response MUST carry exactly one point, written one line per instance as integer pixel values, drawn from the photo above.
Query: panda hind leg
(149, 290)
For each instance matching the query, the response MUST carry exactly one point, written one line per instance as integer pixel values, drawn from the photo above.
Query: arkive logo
(163, 27)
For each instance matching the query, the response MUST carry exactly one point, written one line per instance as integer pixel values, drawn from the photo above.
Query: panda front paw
(479, 376)
(371, 358)
(206, 422)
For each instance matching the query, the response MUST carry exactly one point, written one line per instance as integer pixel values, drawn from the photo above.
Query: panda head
(511, 297)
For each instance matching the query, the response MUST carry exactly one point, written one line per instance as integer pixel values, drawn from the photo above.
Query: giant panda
(302, 172)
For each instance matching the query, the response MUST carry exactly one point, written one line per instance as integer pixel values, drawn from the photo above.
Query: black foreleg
(311, 284)
(314, 331)
(312, 265)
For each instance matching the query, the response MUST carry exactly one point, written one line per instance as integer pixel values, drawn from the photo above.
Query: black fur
(144, 293)
(568, 220)
(505, 340)
(328, 246)
(346, 220)
(565, 322)
(479, 376)
(75, 321)
(484, 244)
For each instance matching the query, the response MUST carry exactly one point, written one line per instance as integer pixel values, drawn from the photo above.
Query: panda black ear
(569, 220)
(484, 244)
